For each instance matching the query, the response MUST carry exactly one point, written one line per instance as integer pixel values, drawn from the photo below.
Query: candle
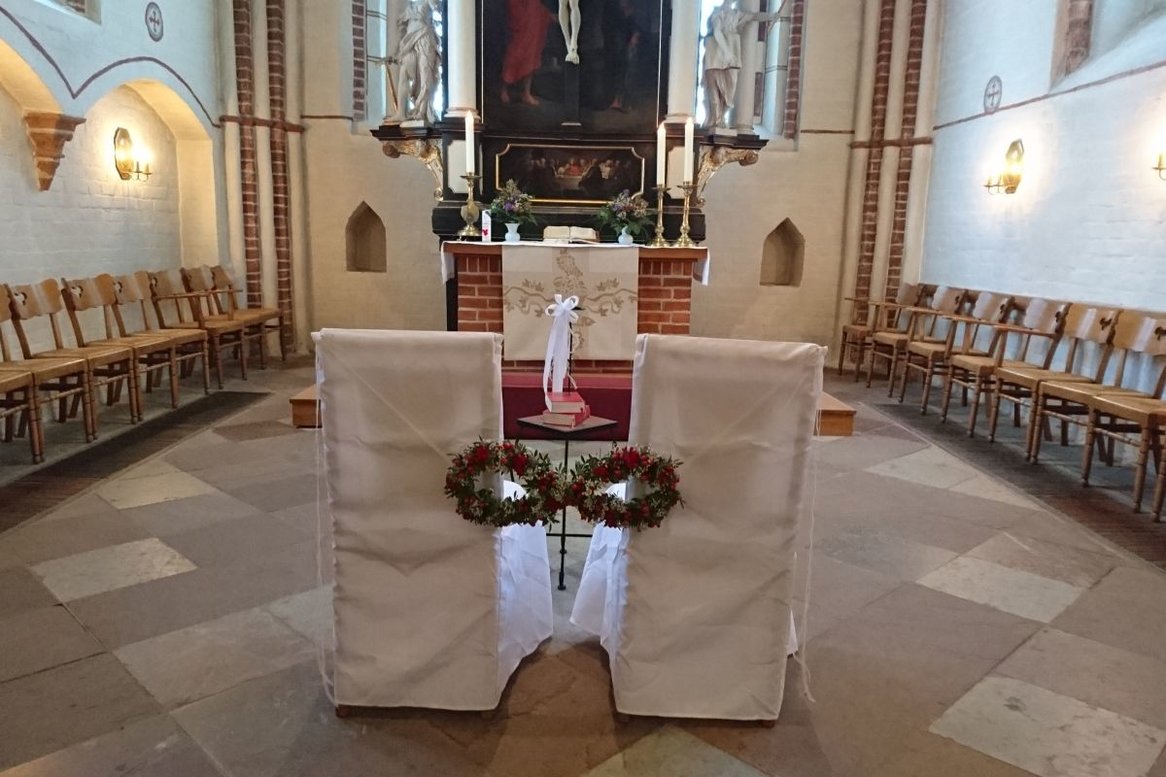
(470, 143)
(688, 128)
(661, 155)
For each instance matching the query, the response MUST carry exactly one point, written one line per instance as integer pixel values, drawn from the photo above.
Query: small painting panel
(571, 174)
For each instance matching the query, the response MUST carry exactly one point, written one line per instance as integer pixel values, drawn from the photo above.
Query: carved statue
(418, 58)
(722, 58)
(569, 20)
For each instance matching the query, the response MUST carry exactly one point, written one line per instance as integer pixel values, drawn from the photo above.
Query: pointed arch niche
(366, 244)
(782, 256)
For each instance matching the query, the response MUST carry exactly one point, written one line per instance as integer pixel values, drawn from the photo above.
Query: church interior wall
(1086, 221)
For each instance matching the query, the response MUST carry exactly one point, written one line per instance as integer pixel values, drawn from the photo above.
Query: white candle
(661, 155)
(470, 143)
(688, 128)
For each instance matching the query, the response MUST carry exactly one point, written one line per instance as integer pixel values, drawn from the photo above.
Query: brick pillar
(281, 194)
(1078, 33)
(245, 87)
(911, 77)
(359, 59)
(793, 84)
(874, 163)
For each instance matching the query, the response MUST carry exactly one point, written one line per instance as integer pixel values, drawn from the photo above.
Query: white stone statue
(722, 58)
(569, 20)
(418, 59)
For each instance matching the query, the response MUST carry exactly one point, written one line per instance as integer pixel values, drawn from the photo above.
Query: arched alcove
(366, 245)
(782, 256)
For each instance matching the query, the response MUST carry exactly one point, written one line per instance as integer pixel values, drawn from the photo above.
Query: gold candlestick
(684, 241)
(470, 210)
(659, 242)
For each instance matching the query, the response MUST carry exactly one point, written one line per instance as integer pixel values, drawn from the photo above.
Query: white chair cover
(430, 610)
(695, 614)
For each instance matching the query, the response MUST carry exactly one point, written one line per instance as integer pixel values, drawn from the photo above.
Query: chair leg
(1035, 424)
(1090, 441)
(242, 356)
(262, 347)
(172, 360)
(1140, 469)
(36, 431)
(283, 345)
(1159, 493)
(859, 359)
(893, 372)
(948, 385)
(217, 354)
(928, 375)
(977, 394)
(841, 353)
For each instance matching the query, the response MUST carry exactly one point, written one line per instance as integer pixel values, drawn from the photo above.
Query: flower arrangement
(532, 469)
(512, 205)
(626, 210)
(587, 490)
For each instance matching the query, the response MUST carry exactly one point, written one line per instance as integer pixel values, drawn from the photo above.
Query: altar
(662, 300)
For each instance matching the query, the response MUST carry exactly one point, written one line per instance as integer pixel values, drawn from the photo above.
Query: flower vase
(512, 235)
(625, 237)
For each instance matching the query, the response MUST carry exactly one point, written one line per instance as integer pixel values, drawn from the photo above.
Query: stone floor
(168, 620)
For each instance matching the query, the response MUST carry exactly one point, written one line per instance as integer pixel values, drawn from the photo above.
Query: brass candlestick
(684, 241)
(470, 210)
(659, 242)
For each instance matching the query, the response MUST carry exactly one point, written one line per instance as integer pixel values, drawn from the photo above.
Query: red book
(565, 402)
(567, 420)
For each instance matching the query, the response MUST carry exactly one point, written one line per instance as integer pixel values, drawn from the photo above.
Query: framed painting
(528, 84)
(570, 174)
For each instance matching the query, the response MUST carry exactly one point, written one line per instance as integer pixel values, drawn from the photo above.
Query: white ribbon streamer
(562, 314)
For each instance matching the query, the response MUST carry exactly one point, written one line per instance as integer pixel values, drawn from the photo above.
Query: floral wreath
(532, 469)
(593, 474)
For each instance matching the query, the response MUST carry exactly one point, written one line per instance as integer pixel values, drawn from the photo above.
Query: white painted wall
(1087, 220)
(91, 221)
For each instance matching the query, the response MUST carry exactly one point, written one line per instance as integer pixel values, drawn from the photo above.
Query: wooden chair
(266, 319)
(19, 399)
(190, 345)
(57, 379)
(891, 343)
(224, 307)
(1068, 401)
(921, 326)
(111, 366)
(977, 371)
(930, 354)
(195, 310)
(1131, 418)
(856, 337)
(1018, 384)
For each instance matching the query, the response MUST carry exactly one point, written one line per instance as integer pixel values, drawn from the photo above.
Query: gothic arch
(783, 255)
(366, 246)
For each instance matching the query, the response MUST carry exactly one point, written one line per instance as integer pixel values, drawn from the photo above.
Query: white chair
(695, 614)
(430, 610)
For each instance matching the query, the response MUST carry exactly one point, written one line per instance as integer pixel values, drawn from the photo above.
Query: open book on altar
(571, 234)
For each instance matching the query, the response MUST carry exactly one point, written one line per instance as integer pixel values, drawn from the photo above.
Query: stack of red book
(567, 409)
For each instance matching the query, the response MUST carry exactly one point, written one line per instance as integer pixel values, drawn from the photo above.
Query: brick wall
(793, 87)
(245, 89)
(665, 303)
(280, 181)
(359, 59)
(90, 221)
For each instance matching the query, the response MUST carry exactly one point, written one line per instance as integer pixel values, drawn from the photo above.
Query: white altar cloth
(449, 261)
(695, 614)
(430, 611)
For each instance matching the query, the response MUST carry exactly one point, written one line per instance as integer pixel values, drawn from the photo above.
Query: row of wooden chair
(196, 318)
(983, 342)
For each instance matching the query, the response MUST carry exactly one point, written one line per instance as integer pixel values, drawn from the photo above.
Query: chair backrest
(164, 284)
(5, 315)
(82, 295)
(948, 299)
(133, 293)
(1133, 332)
(222, 277)
(33, 300)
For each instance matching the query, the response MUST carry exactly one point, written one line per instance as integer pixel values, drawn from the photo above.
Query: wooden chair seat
(179, 336)
(890, 338)
(212, 325)
(14, 379)
(1081, 392)
(983, 365)
(139, 344)
(19, 399)
(854, 330)
(1031, 377)
(96, 355)
(44, 369)
(1144, 411)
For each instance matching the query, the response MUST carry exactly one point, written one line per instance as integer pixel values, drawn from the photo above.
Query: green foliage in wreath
(533, 470)
(591, 476)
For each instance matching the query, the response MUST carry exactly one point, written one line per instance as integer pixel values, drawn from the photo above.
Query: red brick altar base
(665, 297)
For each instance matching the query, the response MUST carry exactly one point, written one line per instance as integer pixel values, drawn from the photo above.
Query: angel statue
(722, 58)
(569, 20)
(418, 58)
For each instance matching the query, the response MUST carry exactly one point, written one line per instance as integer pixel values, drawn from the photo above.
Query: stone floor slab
(671, 752)
(135, 492)
(1049, 734)
(35, 640)
(43, 540)
(1080, 568)
(21, 590)
(105, 569)
(899, 558)
(1010, 590)
(1124, 610)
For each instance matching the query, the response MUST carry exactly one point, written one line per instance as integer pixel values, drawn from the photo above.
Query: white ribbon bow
(562, 314)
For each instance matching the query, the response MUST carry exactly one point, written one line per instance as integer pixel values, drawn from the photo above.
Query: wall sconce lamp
(1161, 166)
(130, 165)
(1009, 178)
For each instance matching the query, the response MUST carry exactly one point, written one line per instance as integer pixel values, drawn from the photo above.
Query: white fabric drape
(430, 611)
(695, 614)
